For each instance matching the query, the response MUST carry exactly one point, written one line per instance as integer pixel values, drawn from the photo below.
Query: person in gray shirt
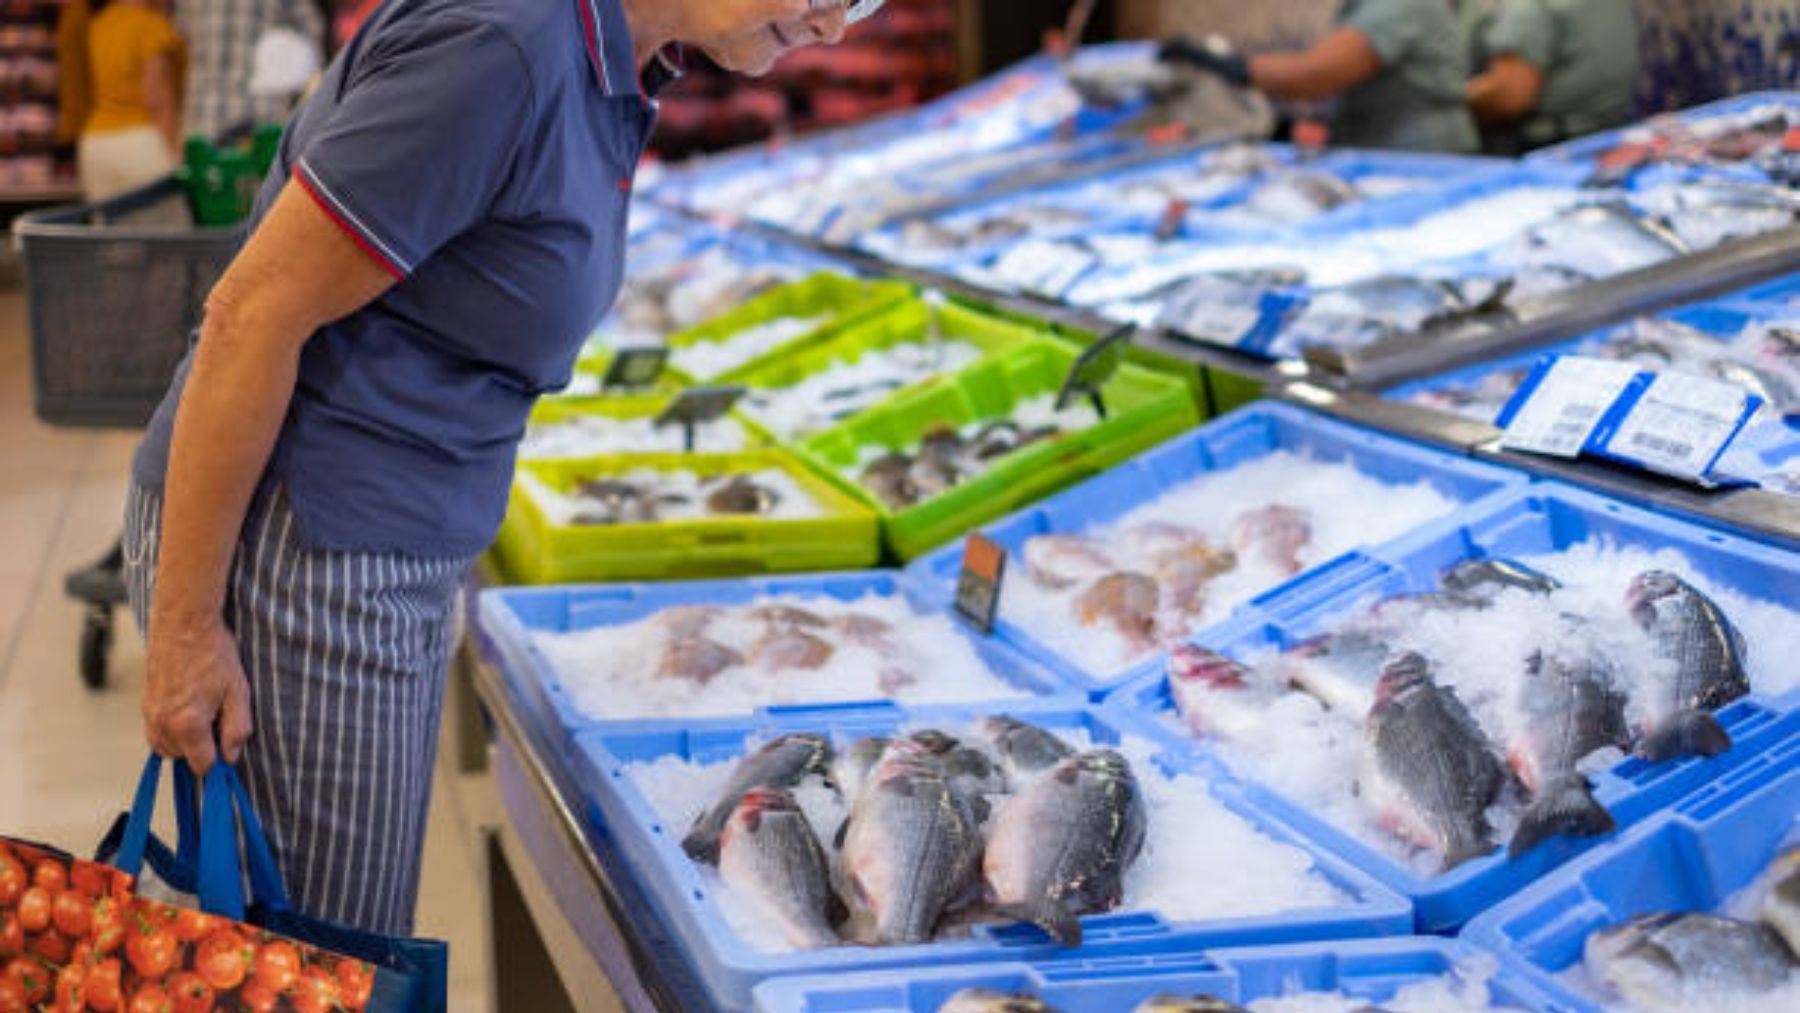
(1396, 67)
(1557, 69)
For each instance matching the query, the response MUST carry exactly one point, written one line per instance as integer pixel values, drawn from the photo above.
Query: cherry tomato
(355, 981)
(72, 913)
(34, 909)
(189, 994)
(224, 958)
(108, 930)
(103, 986)
(255, 998)
(12, 935)
(12, 880)
(150, 999)
(33, 975)
(12, 996)
(277, 966)
(52, 946)
(151, 950)
(91, 880)
(192, 926)
(71, 991)
(315, 992)
(50, 874)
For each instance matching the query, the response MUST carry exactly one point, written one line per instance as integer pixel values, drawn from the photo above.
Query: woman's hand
(195, 683)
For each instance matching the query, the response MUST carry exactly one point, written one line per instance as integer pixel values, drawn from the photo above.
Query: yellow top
(122, 40)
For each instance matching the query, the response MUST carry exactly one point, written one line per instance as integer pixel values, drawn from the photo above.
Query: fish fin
(836, 911)
(1566, 805)
(843, 831)
(701, 845)
(1048, 914)
(1477, 846)
(1688, 733)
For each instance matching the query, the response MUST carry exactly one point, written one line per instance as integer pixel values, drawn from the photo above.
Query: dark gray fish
(781, 763)
(769, 852)
(1168, 1003)
(1568, 709)
(1025, 750)
(1661, 962)
(1485, 578)
(1059, 849)
(1780, 909)
(1431, 773)
(987, 1000)
(741, 495)
(614, 501)
(889, 478)
(972, 772)
(1708, 652)
(912, 848)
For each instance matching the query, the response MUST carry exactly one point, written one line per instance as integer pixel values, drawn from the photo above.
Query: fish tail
(1686, 733)
(702, 844)
(1049, 914)
(1565, 805)
(1474, 843)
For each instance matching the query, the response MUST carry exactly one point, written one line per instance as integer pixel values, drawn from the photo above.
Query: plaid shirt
(221, 37)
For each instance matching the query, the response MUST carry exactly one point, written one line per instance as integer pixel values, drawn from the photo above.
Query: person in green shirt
(1557, 69)
(1396, 67)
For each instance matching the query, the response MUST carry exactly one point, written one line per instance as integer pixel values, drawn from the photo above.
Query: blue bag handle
(135, 838)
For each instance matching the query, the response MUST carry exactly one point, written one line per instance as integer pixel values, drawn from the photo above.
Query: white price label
(1680, 424)
(1566, 406)
(1043, 267)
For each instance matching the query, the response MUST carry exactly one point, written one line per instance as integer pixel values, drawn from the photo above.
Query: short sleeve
(158, 37)
(1525, 29)
(422, 138)
(1394, 28)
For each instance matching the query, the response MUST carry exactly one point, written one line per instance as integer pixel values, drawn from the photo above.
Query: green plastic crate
(532, 549)
(903, 324)
(1144, 408)
(843, 300)
(630, 407)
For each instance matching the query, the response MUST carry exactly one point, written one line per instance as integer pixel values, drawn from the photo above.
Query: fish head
(1191, 663)
(934, 742)
(1647, 589)
(1403, 672)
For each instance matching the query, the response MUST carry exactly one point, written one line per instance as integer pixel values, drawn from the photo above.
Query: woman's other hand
(195, 683)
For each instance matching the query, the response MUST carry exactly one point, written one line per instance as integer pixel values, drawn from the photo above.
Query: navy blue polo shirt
(481, 151)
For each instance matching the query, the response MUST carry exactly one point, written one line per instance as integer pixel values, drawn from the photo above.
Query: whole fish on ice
(987, 1000)
(1666, 962)
(781, 763)
(911, 847)
(769, 852)
(1780, 909)
(1025, 750)
(1168, 1003)
(1691, 632)
(1569, 707)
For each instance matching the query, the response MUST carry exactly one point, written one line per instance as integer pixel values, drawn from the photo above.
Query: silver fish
(1059, 849)
(1569, 708)
(781, 763)
(1025, 750)
(1431, 772)
(1708, 652)
(1167, 1003)
(1487, 577)
(1662, 962)
(911, 848)
(769, 852)
(1780, 909)
(987, 1000)
(1601, 239)
(972, 772)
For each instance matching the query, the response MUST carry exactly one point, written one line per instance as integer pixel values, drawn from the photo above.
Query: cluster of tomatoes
(74, 937)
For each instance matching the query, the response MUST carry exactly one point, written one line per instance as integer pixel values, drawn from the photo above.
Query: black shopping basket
(113, 291)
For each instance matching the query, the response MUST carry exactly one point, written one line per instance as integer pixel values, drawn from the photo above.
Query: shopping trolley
(113, 293)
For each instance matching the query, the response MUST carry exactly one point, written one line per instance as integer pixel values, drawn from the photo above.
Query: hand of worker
(1212, 54)
(195, 683)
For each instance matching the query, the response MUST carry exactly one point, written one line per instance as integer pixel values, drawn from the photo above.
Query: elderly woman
(444, 225)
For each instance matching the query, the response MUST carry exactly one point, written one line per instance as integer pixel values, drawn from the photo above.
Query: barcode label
(1568, 402)
(1661, 445)
(1681, 424)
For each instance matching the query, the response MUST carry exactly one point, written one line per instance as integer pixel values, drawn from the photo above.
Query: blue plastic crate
(1369, 969)
(1245, 435)
(509, 619)
(1715, 843)
(1542, 518)
(1586, 148)
(1783, 292)
(730, 968)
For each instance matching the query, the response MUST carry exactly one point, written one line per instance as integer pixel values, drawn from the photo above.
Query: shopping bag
(78, 935)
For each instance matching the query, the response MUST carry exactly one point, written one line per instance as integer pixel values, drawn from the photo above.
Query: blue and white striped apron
(347, 655)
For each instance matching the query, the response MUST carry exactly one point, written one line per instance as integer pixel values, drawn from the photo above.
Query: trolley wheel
(96, 645)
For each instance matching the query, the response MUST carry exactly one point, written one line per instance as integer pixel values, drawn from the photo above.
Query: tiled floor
(68, 757)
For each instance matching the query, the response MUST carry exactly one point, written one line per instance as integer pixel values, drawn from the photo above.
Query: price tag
(1681, 424)
(1042, 266)
(634, 368)
(1092, 369)
(978, 588)
(697, 406)
(1558, 413)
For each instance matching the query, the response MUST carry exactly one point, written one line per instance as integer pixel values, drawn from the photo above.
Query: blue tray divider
(1712, 844)
(730, 967)
(1247, 434)
(1541, 518)
(1370, 969)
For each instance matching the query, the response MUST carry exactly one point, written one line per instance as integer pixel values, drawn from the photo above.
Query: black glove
(1212, 54)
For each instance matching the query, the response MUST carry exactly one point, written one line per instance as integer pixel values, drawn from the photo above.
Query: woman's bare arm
(1506, 91)
(1336, 63)
(162, 94)
(298, 272)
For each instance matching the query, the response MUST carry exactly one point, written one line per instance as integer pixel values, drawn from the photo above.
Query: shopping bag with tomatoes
(77, 935)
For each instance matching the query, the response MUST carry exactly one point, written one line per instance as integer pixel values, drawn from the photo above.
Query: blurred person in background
(1555, 69)
(224, 36)
(132, 135)
(1396, 68)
